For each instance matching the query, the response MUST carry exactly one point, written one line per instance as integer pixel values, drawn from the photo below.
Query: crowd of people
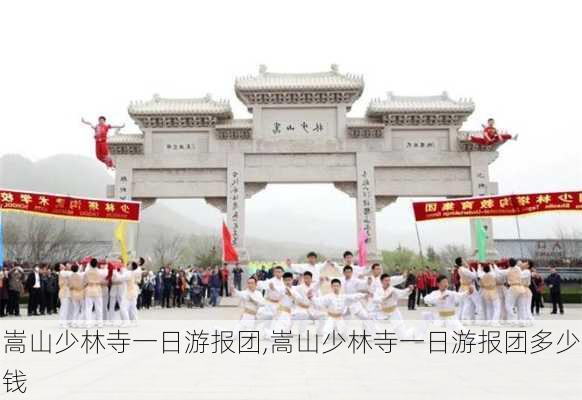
(99, 291)
(484, 294)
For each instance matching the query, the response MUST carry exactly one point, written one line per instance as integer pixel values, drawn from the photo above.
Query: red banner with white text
(62, 206)
(497, 206)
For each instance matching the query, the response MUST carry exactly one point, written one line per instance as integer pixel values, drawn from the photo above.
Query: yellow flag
(120, 236)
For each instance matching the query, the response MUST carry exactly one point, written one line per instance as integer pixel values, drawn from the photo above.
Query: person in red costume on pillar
(490, 135)
(101, 130)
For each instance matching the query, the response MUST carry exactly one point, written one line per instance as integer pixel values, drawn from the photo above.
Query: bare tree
(168, 249)
(448, 254)
(203, 251)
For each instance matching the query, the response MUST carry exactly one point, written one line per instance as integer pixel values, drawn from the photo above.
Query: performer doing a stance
(101, 148)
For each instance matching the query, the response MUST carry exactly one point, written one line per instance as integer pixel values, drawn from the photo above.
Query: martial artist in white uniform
(351, 285)
(76, 284)
(335, 305)
(118, 296)
(104, 291)
(445, 301)
(93, 296)
(489, 295)
(312, 266)
(132, 293)
(386, 298)
(524, 303)
(66, 309)
(516, 290)
(376, 284)
(274, 289)
(251, 300)
(358, 270)
(470, 309)
(305, 309)
(286, 308)
(500, 281)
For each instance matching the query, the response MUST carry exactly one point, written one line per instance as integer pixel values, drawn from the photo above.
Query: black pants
(14, 302)
(557, 302)
(47, 303)
(34, 297)
(536, 302)
(146, 295)
(419, 293)
(3, 304)
(412, 300)
(238, 283)
(224, 289)
(166, 298)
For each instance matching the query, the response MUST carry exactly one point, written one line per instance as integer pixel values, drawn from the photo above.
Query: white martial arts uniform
(500, 280)
(272, 298)
(514, 293)
(77, 303)
(251, 303)
(489, 297)
(105, 296)
(134, 277)
(470, 307)
(118, 295)
(305, 309)
(314, 269)
(387, 309)
(336, 307)
(66, 309)
(93, 296)
(446, 313)
(285, 310)
(524, 303)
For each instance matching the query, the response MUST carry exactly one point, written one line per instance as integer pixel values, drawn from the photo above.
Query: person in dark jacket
(15, 281)
(554, 282)
(215, 284)
(411, 281)
(34, 289)
(168, 281)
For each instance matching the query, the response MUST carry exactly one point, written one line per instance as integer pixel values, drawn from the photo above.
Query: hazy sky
(519, 61)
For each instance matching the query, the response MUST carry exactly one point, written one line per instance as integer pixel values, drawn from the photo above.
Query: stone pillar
(123, 188)
(235, 203)
(366, 203)
(481, 186)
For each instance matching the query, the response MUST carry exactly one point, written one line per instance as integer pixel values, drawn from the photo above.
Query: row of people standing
(41, 285)
(199, 285)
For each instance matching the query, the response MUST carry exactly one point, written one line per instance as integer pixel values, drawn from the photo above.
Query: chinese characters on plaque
(302, 127)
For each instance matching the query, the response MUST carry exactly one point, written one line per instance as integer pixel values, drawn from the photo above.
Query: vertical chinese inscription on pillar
(123, 193)
(367, 200)
(234, 194)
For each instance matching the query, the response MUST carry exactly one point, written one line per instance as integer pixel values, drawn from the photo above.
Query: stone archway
(300, 133)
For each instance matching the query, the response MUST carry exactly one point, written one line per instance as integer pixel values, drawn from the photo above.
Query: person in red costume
(101, 130)
(490, 135)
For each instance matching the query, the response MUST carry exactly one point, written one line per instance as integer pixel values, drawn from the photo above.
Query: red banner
(55, 205)
(498, 206)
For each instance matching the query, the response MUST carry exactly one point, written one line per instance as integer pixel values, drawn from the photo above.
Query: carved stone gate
(300, 133)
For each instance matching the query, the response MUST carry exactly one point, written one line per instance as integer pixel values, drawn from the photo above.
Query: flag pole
(419, 242)
(516, 211)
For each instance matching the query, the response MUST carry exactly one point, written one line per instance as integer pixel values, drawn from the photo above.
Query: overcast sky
(519, 61)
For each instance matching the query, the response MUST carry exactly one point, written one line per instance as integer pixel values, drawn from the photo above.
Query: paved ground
(411, 371)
